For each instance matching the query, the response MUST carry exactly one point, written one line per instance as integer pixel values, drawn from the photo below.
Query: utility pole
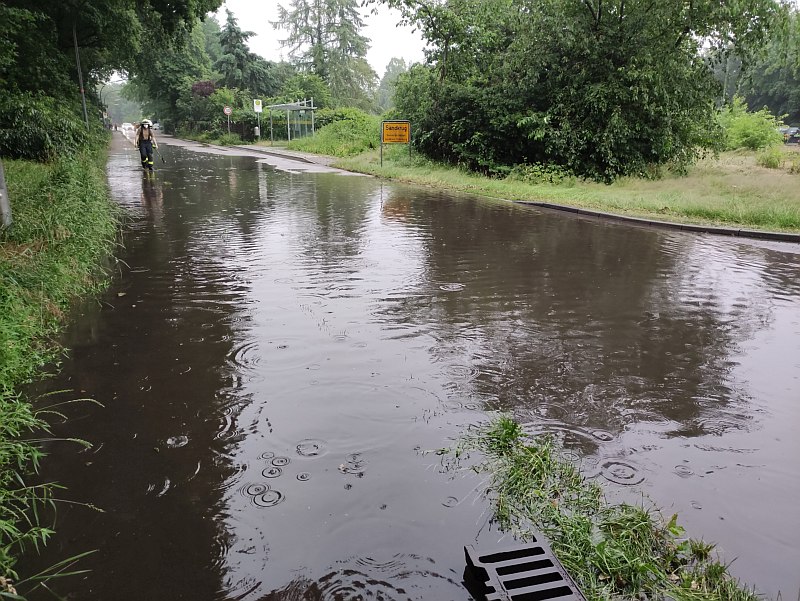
(80, 74)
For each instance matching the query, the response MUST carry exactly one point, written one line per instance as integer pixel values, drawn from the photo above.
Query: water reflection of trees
(581, 322)
(327, 216)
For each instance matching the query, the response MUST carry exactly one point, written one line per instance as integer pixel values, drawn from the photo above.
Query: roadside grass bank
(612, 551)
(65, 226)
(730, 190)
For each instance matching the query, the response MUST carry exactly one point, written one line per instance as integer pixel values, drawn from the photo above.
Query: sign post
(395, 132)
(258, 108)
(228, 110)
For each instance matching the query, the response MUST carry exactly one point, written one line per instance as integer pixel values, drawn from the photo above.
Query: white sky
(386, 39)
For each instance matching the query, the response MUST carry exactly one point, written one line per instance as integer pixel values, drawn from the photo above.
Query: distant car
(127, 125)
(156, 126)
(791, 135)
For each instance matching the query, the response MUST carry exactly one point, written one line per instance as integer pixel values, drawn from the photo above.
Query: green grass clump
(64, 227)
(771, 157)
(612, 551)
(229, 140)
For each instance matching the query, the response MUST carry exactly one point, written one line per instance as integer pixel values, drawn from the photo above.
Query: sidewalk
(305, 157)
(281, 158)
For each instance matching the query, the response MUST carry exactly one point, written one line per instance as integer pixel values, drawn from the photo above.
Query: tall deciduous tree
(385, 97)
(602, 87)
(324, 38)
(773, 80)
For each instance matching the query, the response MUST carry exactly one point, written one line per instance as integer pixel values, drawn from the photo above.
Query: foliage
(600, 88)
(40, 128)
(239, 67)
(386, 88)
(37, 50)
(323, 38)
(307, 86)
(211, 36)
(541, 174)
(773, 79)
(613, 551)
(179, 86)
(162, 81)
(203, 89)
(345, 132)
(751, 130)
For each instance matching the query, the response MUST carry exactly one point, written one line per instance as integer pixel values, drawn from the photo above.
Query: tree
(163, 83)
(773, 80)
(120, 109)
(307, 86)
(211, 34)
(233, 63)
(601, 87)
(395, 68)
(38, 54)
(242, 69)
(38, 73)
(324, 39)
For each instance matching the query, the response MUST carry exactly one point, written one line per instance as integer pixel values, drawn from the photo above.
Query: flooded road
(279, 349)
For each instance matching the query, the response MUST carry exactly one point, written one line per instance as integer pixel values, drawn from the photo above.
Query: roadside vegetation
(613, 551)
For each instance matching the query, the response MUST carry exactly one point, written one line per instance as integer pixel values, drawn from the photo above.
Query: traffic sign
(395, 132)
(227, 110)
(257, 105)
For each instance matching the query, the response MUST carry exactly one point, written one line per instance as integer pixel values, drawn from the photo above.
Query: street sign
(227, 110)
(395, 132)
(257, 105)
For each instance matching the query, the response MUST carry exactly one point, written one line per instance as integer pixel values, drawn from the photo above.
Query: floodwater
(279, 350)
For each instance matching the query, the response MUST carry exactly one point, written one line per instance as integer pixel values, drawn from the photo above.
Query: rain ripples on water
(281, 352)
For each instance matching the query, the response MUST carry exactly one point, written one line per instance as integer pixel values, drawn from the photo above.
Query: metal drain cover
(528, 572)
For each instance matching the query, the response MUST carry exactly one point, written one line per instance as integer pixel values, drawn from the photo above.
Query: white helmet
(147, 122)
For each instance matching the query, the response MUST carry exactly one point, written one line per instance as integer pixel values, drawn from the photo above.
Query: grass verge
(64, 227)
(612, 551)
(732, 190)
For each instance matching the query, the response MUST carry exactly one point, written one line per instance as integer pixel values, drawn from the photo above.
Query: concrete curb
(686, 227)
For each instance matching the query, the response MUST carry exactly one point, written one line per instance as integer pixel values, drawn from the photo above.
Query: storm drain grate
(528, 572)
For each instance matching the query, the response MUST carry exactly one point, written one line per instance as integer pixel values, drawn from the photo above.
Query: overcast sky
(386, 39)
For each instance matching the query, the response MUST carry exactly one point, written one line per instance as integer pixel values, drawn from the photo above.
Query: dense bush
(347, 132)
(41, 128)
(542, 174)
(751, 130)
